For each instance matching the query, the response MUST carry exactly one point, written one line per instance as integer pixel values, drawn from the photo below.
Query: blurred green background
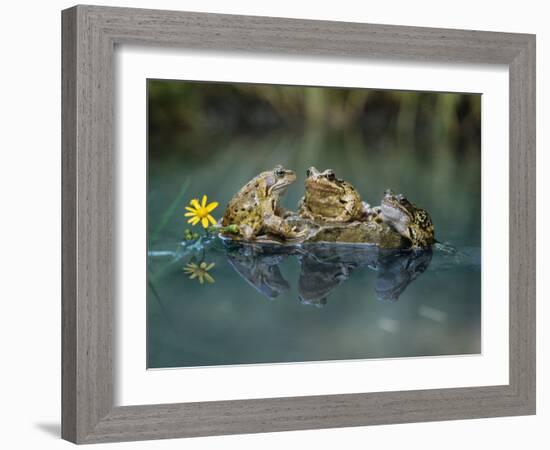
(217, 136)
(211, 138)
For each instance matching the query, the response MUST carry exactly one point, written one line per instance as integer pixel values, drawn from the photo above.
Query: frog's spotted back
(422, 233)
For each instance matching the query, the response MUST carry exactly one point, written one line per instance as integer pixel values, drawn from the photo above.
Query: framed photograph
(278, 224)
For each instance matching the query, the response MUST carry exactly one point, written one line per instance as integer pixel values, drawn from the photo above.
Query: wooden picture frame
(90, 34)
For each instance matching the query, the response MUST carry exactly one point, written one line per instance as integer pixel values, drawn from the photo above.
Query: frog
(259, 266)
(329, 199)
(319, 278)
(407, 219)
(255, 210)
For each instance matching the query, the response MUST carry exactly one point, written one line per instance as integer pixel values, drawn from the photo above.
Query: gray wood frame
(89, 37)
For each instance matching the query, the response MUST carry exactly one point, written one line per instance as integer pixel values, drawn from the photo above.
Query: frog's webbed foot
(445, 247)
(296, 234)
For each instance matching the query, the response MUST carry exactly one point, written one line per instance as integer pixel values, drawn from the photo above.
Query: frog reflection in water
(255, 208)
(319, 278)
(323, 267)
(396, 271)
(259, 266)
(407, 219)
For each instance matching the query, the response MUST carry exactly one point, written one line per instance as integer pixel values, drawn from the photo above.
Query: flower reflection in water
(199, 271)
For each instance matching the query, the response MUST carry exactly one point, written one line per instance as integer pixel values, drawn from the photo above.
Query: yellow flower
(201, 212)
(200, 271)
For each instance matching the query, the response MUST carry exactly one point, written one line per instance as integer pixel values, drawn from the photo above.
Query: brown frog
(255, 208)
(407, 219)
(328, 199)
(333, 211)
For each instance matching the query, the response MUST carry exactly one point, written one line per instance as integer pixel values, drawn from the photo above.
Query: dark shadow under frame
(89, 37)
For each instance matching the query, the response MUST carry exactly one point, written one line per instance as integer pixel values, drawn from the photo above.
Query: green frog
(255, 209)
(328, 199)
(407, 219)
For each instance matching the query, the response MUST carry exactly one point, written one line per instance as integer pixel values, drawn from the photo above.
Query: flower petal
(211, 219)
(193, 210)
(204, 200)
(190, 214)
(204, 221)
(208, 278)
(209, 266)
(212, 206)
(196, 203)
(193, 220)
(201, 279)
(193, 275)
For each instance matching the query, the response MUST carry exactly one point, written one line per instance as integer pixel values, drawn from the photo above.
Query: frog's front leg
(347, 213)
(351, 210)
(371, 212)
(304, 212)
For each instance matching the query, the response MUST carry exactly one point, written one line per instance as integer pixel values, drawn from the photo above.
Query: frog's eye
(331, 176)
(401, 198)
(308, 173)
(279, 171)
